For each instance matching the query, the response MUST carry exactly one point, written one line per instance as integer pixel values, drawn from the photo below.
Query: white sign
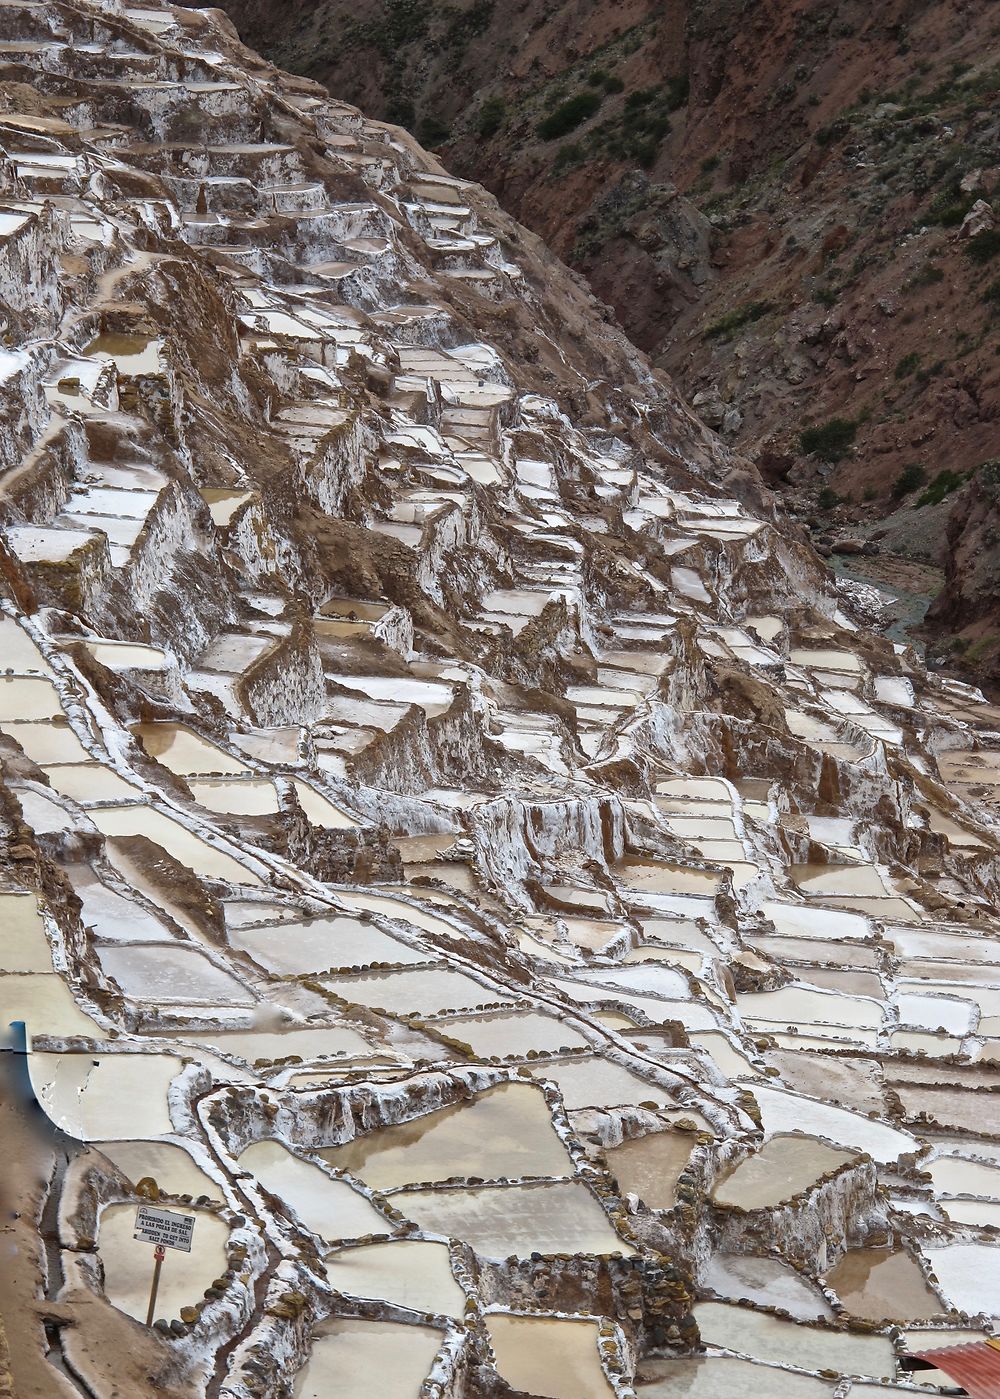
(164, 1227)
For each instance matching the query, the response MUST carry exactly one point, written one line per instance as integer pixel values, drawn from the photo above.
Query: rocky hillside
(790, 205)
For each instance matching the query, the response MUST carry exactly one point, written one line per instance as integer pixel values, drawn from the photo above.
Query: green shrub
(710, 163)
(943, 484)
(908, 480)
(992, 293)
(491, 117)
(927, 276)
(613, 84)
(827, 498)
(432, 131)
(909, 364)
(641, 97)
(597, 77)
(726, 326)
(983, 246)
(829, 441)
(570, 153)
(568, 115)
(678, 89)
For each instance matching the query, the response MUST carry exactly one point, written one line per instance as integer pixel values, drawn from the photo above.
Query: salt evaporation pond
(173, 1168)
(408, 1273)
(506, 1131)
(514, 1034)
(497, 1221)
(549, 1356)
(330, 1208)
(97, 1098)
(766, 1281)
(784, 1166)
(171, 975)
(883, 1285)
(777, 1341)
(355, 1359)
(184, 1276)
(649, 1166)
(186, 753)
(719, 1377)
(320, 944)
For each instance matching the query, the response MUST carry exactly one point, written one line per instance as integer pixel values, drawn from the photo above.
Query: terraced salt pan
(106, 1097)
(797, 1005)
(954, 1176)
(318, 944)
(785, 1165)
(235, 796)
(969, 1275)
(89, 782)
(783, 1112)
(186, 753)
(771, 1339)
(24, 698)
(429, 990)
(398, 908)
(46, 742)
(329, 1208)
(348, 1352)
(172, 1168)
(595, 1082)
(171, 975)
(408, 1273)
(45, 1004)
(555, 1357)
(511, 1035)
(506, 1131)
(312, 1043)
(498, 1221)
(766, 1281)
(320, 810)
(883, 1284)
(649, 1166)
(183, 1276)
(713, 1377)
(660, 877)
(24, 945)
(185, 847)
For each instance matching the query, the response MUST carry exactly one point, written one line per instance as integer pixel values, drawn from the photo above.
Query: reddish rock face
(778, 202)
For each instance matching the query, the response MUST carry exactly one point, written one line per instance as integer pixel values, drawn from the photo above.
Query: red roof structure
(976, 1367)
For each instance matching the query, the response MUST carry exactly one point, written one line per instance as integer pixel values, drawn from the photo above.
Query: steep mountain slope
(461, 855)
(777, 199)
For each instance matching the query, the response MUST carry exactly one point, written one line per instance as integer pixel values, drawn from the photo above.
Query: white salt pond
(407, 1272)
(784, 1166)
(505, 1131)
(783, 1112)
(89, 782)
(184, 752)
(184, 845)
(330, 1208)
(24, 944)
(969, 1275)
(128, 1263)
(498, 1221)
(350, 1356)
(766, 1281)
(106, 1097)
(511, 1034)
(173, 1169)
(46, 742)
(774, 1340)
(596, 1082)
(428, 990)
(549, 1356)
(718, 1377)
(45, 1003)
(319, 944)
(27, 697)
(170, 975)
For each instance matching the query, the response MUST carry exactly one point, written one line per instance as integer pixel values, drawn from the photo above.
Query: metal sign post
(159, 1253)
(166, 1229)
